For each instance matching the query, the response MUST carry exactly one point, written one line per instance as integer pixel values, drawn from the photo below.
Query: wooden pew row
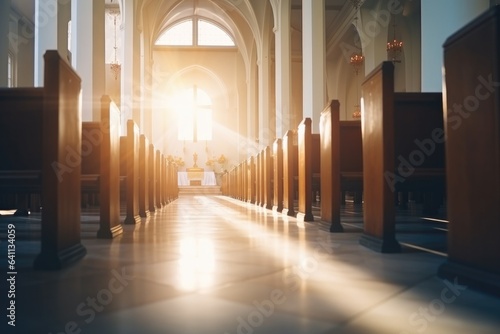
(150, 180)
(472, 114)
(41, 150)
(403, 146)
(341, 162)
(100, 161)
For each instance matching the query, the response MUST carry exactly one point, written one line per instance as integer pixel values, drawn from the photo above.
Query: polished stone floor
(211, 264)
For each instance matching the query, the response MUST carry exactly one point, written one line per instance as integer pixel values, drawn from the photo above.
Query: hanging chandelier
(116, 67)
(356, 61)
(394, 47)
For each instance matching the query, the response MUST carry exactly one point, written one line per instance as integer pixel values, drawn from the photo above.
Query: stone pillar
(130, 79)
(4, 40)
(440, 19)
(51, 32)
(265, 132)
(281, 11)
(88, 53)
(313, 50)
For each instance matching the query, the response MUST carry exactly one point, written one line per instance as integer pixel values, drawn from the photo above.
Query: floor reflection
(196, 263)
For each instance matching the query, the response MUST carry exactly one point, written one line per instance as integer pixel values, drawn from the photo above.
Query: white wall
(440, 19)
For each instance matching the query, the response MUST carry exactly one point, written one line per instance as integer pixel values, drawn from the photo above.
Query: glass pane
(9, 71)
(211, 35)
(204, 124)
(185, 124)
(179, 34)
(202, 98)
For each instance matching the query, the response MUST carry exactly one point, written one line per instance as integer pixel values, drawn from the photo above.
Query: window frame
(194, 22)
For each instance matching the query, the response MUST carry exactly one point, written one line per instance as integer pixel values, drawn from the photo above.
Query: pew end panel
(377, 126)
(131, 156)
(110, 225)
(143, 176)
(472, 119)
(152, 179)
(330, 166)
(290, 169)
(278, 175)
(305, 169)
(61, 192)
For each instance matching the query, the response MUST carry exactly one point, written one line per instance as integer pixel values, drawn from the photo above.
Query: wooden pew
(267, 179)
(100, 166)
(144, 176)
(159, 180)
(258, 180)
(341, 162)
(290, 168)
(129, 169)
(308, 168)
(251, 180)
(472, 114)
(278, 175)
(21, 146)
(245, 180)
(152, 179)
(41, 150)
(392, 124)
(91, 163)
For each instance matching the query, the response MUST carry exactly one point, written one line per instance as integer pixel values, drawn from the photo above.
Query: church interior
(250, 166)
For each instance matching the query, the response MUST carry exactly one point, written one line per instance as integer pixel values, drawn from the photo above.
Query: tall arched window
(11, 79)
(193, 108)
(195, 32)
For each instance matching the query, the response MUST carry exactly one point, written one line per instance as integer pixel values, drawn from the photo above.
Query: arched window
(193, 108)
(195, 32)
(11, 78)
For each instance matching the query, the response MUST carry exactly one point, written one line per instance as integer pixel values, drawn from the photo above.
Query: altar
(196, 178)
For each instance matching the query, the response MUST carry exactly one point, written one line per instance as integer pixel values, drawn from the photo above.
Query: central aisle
(211, 264)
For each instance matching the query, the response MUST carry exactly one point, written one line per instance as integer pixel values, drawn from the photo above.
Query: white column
(281, 10)
(440, 19)
(265, 133)
(51, 31)
(130, 79)
(4, 40)
(313, 55)
(147, 88)
(87, 53)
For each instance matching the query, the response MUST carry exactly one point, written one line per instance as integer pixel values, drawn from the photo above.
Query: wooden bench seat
(341, 162)
(403, 150)
(41, 152)
(472, 111)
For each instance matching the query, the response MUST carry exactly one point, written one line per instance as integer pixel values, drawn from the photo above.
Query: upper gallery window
(195, 32)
